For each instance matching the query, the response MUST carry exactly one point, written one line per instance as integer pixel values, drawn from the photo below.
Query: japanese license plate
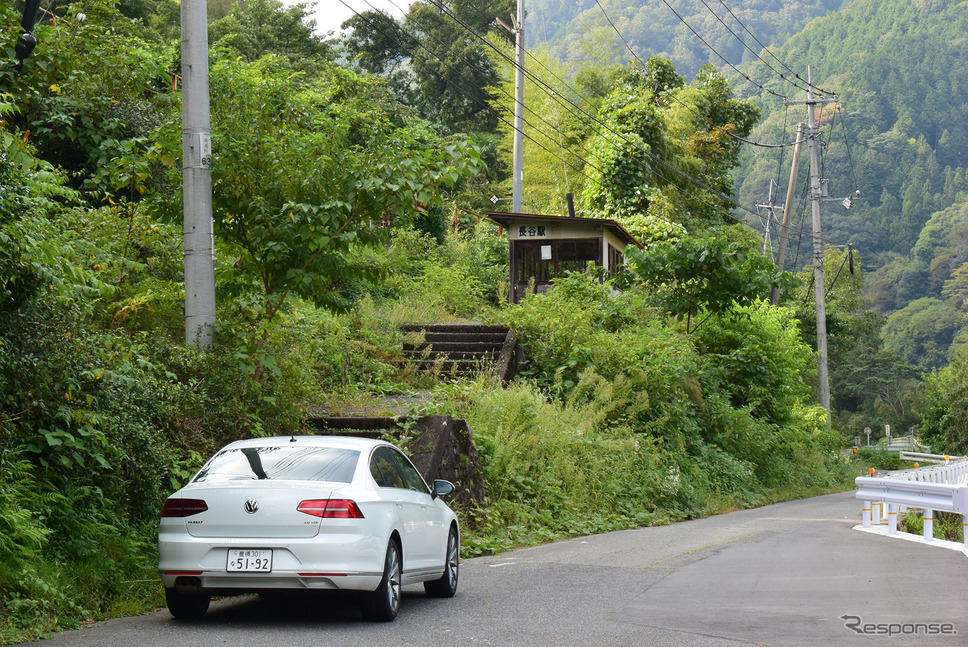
(250, 560)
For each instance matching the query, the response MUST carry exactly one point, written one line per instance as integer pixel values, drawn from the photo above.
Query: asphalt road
(784, 574)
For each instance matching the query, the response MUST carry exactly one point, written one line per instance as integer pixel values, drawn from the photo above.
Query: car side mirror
(442, 488)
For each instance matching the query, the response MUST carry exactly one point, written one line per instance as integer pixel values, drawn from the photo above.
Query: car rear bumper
(352, 562)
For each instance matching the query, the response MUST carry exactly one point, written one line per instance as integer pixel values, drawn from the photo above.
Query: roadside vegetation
(668, 392)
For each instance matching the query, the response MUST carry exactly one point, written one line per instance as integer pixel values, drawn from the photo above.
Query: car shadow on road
(302, 608)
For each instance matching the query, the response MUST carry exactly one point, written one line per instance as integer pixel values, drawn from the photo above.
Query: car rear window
(281, 463)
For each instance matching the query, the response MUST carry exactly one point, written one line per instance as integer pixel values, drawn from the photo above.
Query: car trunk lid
(267, 510)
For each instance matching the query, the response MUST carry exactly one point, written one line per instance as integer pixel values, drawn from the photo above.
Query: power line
(850, 158)
(466, 93)
(548, 89)
(675, 98)
(554, 95)
(501, 89)
(767, 50)
(723, 58)
(759, 145)
(579, 112)
(750, 49)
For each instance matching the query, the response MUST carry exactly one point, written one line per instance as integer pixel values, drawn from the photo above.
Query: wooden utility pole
(787, 210)
(816, 195)
(197, 177)
(518, 177)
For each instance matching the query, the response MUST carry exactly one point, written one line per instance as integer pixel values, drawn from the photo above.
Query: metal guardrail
(922, 457)
(903, 443)
(942, 486)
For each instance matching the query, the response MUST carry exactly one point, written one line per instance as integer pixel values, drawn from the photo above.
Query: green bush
(879, 459)
(947, 525)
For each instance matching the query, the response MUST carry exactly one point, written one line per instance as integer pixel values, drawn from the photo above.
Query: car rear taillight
(331, 508)
(183, 507)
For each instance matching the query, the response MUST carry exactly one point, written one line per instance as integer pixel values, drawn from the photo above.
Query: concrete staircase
(461, 350)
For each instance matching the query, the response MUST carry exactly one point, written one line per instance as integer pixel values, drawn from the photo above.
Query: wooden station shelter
(546, 247)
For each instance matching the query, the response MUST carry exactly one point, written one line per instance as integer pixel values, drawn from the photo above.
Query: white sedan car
(307, 512)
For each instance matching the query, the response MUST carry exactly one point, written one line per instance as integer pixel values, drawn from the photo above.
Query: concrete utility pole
(818, 280)
(787, 210)
(816, 195)
(197, 177)
(518, 178)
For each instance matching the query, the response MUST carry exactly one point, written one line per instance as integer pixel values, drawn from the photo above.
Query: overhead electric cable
(575, 109)
(627, 46)
(767, 50)
(850, 158)
(501, 89)
(751, 50)
(553, 93)
(674, 97)
(759, 145)
(470, 96)
(723, 58)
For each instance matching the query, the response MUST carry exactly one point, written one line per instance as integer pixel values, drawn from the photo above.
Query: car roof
(341, 442)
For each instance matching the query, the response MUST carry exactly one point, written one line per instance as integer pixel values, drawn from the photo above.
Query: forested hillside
(349, 177)
(577, 31)
(900, 71)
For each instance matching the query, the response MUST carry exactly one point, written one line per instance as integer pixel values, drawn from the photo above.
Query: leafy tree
(955, 289)
(692, 276)
(376, 43)
(304, 173)
(879, 385)
(945, 413)
(761, 363)
(88, 90)
(254, 28)
(666, 148)
(631, 155)
(451, 71)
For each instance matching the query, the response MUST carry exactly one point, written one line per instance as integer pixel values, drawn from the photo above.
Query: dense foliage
(343, 207)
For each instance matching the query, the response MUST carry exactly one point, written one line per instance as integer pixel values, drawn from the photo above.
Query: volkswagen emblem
(251, 506)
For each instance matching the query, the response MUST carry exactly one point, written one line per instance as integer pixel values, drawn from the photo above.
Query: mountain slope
(901, 71)
(577, 31)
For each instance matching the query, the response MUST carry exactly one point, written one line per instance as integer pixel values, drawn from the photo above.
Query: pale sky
(330, 14)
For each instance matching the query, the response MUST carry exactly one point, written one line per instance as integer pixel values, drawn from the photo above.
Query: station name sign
(532, 231)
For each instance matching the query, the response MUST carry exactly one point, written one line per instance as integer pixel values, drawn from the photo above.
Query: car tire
(446, 586)
(382, 604)
(187, 606)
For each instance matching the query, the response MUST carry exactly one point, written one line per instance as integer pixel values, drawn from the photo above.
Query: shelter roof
(507, 219)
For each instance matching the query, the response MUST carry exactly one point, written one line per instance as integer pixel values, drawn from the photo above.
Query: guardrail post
(866, 514)
(892, 518)
(964, 521)
(928, 524)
